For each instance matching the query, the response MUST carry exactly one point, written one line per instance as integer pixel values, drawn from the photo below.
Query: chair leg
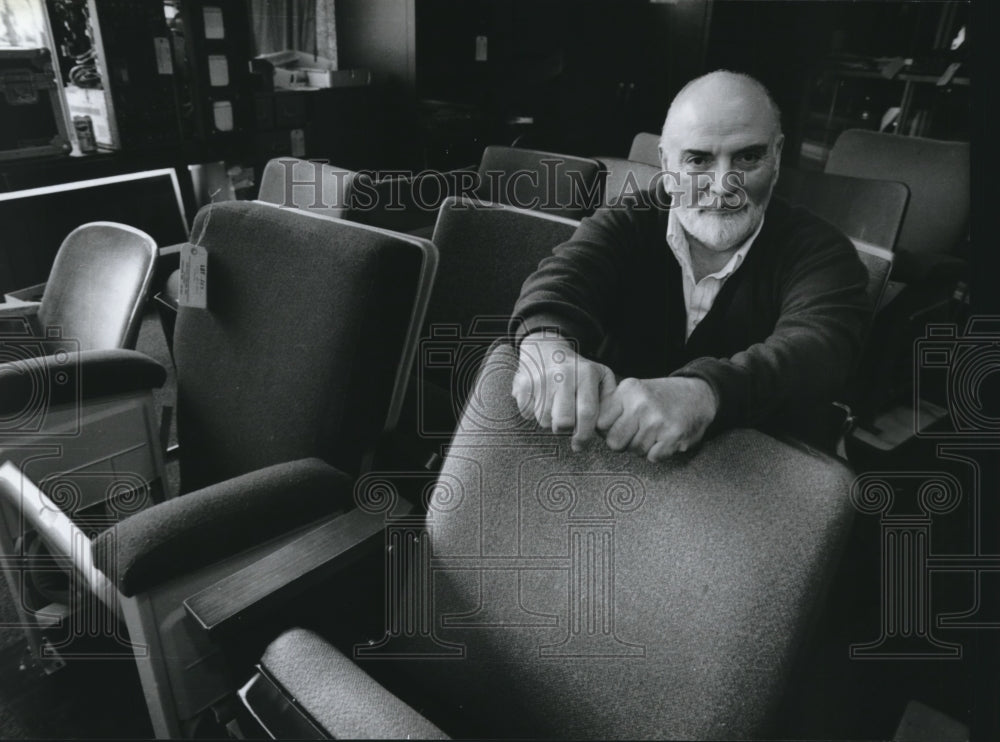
(168, 318)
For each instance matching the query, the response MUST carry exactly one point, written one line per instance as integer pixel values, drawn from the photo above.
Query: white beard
(721, 229)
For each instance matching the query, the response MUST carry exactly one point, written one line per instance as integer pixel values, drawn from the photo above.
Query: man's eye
(749, 158)
(697, 160)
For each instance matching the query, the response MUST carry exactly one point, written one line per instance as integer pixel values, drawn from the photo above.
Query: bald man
(666, 319)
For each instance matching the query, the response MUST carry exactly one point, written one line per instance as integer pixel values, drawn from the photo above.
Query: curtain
(303, 25)
(22, 24)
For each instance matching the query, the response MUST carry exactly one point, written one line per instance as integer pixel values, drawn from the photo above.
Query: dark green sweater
(783, 334)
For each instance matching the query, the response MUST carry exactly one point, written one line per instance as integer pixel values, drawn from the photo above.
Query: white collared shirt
(699, 296)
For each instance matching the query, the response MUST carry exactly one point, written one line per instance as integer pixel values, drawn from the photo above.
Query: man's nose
(721, 184)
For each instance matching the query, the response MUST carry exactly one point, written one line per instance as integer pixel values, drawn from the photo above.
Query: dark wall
(590, 74)
(785, 44)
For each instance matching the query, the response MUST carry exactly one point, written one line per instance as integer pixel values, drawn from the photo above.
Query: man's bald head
(725, 96)
(722, 145)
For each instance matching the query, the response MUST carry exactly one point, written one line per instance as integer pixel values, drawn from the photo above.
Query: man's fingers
(612, 408)
(643, 440)
(669, 446)
(621, 433)
(587, 406)
(521, 391)
(564, 390)
(661, 451)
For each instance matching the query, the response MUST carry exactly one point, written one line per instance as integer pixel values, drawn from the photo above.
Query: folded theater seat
(552, 594)
(292, 183)
(486, 250)
(68, 377)
(288, 380)
(640, 171)
(557, 184)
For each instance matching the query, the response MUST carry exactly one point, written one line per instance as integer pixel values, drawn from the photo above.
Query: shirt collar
(677, 240)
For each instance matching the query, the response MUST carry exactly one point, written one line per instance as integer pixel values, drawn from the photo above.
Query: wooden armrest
(271, 580)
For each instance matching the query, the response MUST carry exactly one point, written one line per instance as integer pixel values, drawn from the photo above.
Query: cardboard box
(298, 70)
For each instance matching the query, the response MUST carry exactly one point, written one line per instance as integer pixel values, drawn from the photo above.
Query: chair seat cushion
(337, 694)
(599, 595)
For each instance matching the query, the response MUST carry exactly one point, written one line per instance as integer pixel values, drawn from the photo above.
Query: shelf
(900, 77)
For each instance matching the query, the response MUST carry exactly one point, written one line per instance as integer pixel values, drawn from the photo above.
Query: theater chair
(867, 210)
(627, 179)
(645, 150)
(641, 167)
(930, 270)
(486, 252)
(287, 383)
(95, 293)
(56, 356)
(935, 229)
(870, 213)
(557, 184)
(312, 186)
(548, 594)
(291, 183)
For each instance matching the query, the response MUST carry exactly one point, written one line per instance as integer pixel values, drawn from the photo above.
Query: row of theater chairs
(305, 351)
(275, 386)
(153, 557)
(671, 664)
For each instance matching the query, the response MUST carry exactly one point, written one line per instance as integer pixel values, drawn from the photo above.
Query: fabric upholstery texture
(97, 287)
(183, 533)
(338, 694)
(937, 220)
(298, 352)
(716, 562)
(596, 595)
(67, 377)
(487, 250)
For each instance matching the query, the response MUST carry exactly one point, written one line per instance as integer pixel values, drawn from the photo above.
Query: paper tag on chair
(194, 277)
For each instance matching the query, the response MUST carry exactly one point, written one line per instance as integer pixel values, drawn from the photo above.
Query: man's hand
(656, 418)
(560, 389)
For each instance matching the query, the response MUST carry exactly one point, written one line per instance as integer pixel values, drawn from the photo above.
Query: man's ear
(663, 158)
